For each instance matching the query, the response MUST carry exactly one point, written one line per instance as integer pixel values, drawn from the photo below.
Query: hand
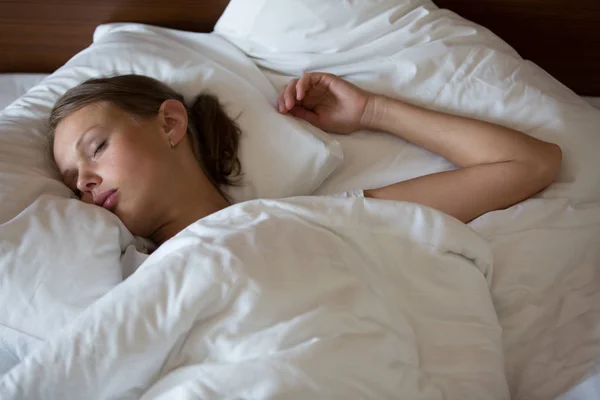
(328, 102)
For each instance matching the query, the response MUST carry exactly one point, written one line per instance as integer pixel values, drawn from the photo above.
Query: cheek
(134, 163)
(140, 172)
(117, 164)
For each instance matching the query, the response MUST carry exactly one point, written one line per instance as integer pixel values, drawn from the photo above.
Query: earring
(171, 143)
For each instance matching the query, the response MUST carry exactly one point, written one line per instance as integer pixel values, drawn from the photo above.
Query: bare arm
(499, 166)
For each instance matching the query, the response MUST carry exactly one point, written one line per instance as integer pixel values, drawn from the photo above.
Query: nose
(87, 181)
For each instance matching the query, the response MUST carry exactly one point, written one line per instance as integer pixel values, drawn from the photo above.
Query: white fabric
(313, 297)
(546, 291)
(13, 86)
(356, 194)
(547, 254)
(595, 101)
(58, 257)
(310, 26)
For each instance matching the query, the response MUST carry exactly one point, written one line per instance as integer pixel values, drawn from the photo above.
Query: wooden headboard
(562, 36)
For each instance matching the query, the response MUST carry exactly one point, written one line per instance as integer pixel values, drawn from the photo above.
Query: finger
(281, 101)
(308, 81)
(303, 85)
(280, 105)
(307, 115)
(289, 95)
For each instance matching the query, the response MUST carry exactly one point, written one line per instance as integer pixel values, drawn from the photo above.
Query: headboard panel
(562, 36)
(41, 35)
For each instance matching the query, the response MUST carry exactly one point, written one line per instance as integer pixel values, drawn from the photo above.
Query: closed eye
(100, 147)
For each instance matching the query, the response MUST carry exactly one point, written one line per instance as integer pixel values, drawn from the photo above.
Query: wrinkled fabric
(314, 297)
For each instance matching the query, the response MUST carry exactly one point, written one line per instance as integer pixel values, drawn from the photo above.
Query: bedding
(13, 86)
(594, 101)
(301, 298)
(546, 285)
(53, 269)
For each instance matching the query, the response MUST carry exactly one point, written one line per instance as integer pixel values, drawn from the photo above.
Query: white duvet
(304, 298)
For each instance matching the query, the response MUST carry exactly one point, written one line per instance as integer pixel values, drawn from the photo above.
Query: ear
(174, 120)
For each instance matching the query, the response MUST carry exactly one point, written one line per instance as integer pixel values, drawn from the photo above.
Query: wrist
(374, 112)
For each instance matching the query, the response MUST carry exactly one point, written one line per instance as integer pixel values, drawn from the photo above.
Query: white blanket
(303, 298)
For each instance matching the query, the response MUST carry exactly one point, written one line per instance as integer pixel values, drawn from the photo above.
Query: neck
(193, 205)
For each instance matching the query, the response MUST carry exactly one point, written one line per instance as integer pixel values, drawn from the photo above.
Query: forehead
(71, 126)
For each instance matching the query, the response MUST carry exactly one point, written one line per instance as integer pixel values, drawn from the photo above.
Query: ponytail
(216, 139)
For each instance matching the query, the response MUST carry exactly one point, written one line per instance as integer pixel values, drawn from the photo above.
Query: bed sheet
(13, 86)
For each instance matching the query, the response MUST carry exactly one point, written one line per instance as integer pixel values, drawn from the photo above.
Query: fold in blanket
(313, 297)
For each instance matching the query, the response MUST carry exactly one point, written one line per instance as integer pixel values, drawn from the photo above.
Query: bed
(517, 317)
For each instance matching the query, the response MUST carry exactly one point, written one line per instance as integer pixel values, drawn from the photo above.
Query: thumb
(307, 115)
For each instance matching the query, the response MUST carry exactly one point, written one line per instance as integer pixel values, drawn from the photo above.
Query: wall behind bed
(562, 36)
(41, 35)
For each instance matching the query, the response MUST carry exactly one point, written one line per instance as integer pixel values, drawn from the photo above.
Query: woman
(129, 144)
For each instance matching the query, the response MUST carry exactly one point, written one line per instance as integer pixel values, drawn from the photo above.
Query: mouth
(108, 199)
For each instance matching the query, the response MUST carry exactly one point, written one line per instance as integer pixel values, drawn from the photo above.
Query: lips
(107, 199)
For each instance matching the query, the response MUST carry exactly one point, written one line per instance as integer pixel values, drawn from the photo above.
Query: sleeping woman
(130, 144)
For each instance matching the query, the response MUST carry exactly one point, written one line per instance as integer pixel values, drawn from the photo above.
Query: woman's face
(118, 162)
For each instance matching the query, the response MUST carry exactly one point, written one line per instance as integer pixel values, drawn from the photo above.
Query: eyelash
(100, 147)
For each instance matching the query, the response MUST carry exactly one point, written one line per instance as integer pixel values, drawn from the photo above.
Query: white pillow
(310, 26)
(280, 156)
(13, 86)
